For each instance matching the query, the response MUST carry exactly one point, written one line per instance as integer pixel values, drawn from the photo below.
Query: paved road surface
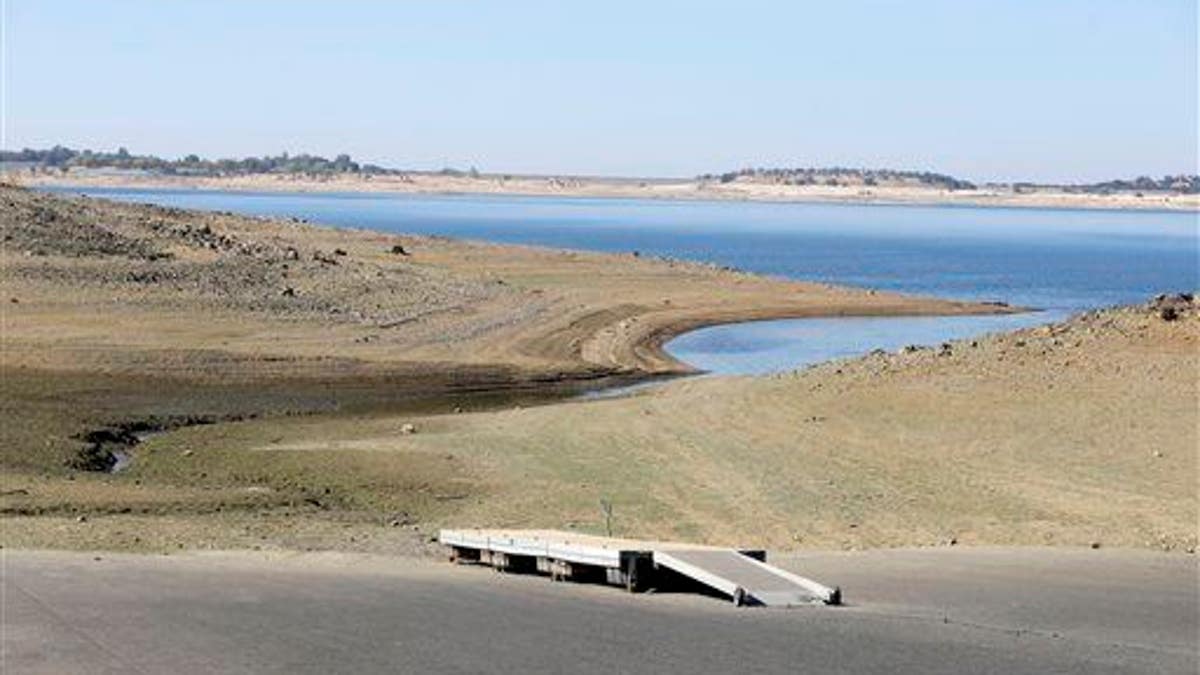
(931, 611)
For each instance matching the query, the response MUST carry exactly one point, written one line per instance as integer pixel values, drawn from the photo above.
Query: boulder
(1170, 306)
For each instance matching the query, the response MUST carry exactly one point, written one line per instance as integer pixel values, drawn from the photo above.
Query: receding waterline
(1068, 261)
(763, 347)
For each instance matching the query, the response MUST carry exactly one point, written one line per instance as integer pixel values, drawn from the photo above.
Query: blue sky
(1052, 90)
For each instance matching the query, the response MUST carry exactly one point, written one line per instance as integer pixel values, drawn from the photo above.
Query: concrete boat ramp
(742, 575)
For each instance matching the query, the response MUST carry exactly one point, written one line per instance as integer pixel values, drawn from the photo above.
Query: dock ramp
(742, 575)
(747, 580)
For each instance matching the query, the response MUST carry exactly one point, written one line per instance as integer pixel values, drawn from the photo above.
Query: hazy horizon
(1074, 92)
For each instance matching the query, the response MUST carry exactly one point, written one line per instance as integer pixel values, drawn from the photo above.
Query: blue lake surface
(1061, 261)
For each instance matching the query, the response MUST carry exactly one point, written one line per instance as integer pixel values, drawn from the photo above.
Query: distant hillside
(844, 177)
(62, 158)
(1183, 184)
(841, 177)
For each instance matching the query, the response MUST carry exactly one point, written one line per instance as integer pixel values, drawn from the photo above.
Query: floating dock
(742, 575)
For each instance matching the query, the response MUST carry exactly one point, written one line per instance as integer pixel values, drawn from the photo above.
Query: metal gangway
(742, 575)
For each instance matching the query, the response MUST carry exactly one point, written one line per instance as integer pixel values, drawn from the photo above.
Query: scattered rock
(291, 254)
(1095, 545)
(398, 249)
(288, 292)
(81, 519)
(188, 453)
(338, 251)
(1171, 306)
(408, 429)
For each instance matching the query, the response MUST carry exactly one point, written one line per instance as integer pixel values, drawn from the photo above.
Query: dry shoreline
(329, 389)
(622, 188)
(120, 317)
(518, 310)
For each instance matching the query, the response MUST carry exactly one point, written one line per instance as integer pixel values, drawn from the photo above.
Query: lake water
(1060, 261)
